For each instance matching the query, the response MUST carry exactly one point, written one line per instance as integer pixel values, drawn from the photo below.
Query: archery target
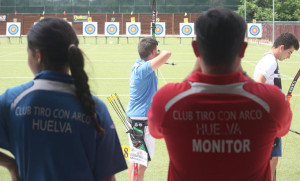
(111, 29)
(13, 29)
(90, 28)
(186, 29)
(254, 30)
(133, 29)
(160, 29)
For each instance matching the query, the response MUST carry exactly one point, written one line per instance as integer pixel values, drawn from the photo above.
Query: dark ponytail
(58, 43)
(76, 62)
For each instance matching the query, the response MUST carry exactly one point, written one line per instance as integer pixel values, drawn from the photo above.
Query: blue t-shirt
(43, 124)
(143, 85)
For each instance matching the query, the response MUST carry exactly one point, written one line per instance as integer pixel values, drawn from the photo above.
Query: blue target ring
(90, 29)
(254, 30)
(13, 29)
(186, 30)
(159, 29)
(111, 29)
(133, 29)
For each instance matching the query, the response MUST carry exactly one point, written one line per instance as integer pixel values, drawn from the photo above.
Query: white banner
(111, 29)
(254, 30)
(90, 28)
(186, 30)
(133, 29)
(138, 156)
(13, 29)
(160, 29)
(2, 17)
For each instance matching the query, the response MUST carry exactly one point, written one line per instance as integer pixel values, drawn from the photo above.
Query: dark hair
(146, 46)
(58, 43)
(220, 34)
(288, 40)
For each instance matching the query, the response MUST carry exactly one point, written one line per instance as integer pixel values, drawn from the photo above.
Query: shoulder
(99, 104)
(141, 65)
(267, 65)
(10, 94)
(269, 93)
(267, 59)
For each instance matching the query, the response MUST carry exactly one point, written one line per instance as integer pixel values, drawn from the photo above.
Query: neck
(65, 70)
(221, 69)
(275, 52)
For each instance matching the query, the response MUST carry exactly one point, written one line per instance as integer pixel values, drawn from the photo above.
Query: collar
(140, 61)
(219, 79)
(54, 76)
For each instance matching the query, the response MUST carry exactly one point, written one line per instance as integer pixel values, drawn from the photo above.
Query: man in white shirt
(267, 71)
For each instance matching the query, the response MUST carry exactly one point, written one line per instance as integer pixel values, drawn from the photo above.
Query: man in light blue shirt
(143, 85)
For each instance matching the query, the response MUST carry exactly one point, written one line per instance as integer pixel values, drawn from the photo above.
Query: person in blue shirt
(54, 127)
(143, 85)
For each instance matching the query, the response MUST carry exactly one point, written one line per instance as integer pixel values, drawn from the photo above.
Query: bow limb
(153, 18)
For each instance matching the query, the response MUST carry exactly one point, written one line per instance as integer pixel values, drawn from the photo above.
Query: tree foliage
(262, 10)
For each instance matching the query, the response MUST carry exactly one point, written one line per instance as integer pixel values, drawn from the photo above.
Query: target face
(89, 28)
(160, 29)
(111, 29)
(13, 29)
(186, 29)
(254, 30)
(133, 29)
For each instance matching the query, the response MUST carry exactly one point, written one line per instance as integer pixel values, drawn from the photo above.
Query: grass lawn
(108, 67)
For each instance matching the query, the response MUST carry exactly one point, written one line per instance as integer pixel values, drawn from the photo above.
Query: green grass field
(108, 66)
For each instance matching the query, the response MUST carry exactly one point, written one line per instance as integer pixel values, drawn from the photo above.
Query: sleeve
(4, 141)
(156, 115)
(280, 111)
(266, 66)
(109, 156)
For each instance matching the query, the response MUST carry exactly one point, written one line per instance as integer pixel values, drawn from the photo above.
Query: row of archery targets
(13, 29)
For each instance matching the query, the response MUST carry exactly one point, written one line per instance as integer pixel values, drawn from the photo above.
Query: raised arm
(160, 59)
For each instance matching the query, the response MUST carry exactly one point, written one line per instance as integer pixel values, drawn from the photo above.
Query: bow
(153, 26)
(153, 18)
(289, 94)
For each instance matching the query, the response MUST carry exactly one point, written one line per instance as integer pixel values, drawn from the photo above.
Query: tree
(262, 10)
(256, 9)
(287, 10)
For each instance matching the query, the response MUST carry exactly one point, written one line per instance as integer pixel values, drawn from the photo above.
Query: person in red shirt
(218, 119)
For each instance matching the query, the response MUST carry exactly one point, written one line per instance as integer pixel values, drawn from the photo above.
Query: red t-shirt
(219, 127)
